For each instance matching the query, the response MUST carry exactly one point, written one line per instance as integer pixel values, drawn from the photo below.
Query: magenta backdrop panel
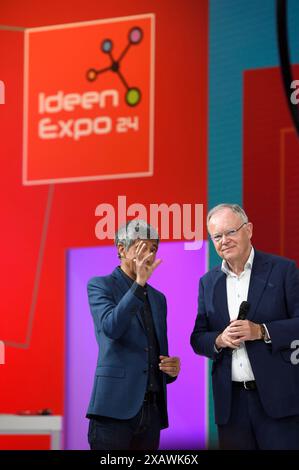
(177, 277)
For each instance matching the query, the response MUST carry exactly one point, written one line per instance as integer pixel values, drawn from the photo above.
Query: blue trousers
(250, 428)
(142, 432)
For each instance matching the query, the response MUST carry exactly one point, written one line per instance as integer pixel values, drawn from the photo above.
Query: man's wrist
(140, 281)
(218, 342)
(263, 332)
(139, 291)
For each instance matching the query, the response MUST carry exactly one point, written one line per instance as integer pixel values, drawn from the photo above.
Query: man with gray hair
(128, 405)
(248, 318)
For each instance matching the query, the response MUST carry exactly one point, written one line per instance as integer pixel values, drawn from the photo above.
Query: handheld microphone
(243, 310)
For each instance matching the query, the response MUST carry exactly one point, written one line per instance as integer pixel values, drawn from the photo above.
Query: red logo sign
(89, 101)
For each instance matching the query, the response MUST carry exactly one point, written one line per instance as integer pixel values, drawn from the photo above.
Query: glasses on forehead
(217, 238)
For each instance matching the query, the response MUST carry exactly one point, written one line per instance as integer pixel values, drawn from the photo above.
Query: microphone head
(243, 310)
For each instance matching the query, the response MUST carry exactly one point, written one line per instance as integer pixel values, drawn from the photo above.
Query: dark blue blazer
(274, 300)
(122, 368)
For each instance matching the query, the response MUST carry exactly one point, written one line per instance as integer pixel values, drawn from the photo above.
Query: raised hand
(144, 263)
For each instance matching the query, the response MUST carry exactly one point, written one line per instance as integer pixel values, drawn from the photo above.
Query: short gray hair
(134, 230)
(234, 207)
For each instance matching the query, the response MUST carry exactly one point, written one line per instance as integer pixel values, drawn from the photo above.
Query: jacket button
(146, 349)
(144, 371)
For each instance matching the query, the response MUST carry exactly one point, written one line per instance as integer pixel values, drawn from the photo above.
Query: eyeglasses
(228, 234)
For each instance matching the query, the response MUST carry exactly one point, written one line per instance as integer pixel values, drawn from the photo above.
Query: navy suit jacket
(122, 368)
(274, 300)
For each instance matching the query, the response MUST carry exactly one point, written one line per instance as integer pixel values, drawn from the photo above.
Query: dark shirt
(155, 375)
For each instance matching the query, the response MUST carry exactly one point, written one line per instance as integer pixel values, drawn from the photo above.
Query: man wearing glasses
(255, 381)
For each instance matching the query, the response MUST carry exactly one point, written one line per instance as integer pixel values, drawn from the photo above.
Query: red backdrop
(271, 169)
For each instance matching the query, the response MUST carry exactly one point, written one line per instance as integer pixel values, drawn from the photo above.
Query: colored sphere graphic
(107, 45)
(133, 96)
(135, 35)
(91, 75)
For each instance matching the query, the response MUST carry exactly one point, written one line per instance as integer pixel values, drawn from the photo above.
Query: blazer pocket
(102, 371)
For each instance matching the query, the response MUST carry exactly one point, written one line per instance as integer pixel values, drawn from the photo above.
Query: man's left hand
(243, 330)
(170, 365)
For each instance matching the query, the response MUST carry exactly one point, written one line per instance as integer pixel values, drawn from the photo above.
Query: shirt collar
(248, 265)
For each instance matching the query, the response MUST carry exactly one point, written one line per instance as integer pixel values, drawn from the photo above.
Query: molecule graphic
(133, 94)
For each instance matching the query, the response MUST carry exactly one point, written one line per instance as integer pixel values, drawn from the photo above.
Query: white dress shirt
(237, 291)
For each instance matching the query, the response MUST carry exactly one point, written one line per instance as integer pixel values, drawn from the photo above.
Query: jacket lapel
(120, 281)
(220, 296)
(123, 287)
(261, 269)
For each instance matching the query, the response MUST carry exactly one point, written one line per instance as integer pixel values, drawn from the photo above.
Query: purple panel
(177, 277)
